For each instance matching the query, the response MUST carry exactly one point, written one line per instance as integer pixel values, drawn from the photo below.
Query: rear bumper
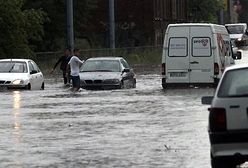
(188, 85)
(235, 149)
(240, 136)
(231, 143)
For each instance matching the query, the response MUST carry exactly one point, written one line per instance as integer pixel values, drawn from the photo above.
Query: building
(138, 22)
(166, 12)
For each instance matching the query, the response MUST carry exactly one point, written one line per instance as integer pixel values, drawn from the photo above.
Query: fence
(145, 58)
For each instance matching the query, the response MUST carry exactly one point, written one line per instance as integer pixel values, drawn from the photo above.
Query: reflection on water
(17, 126)
(16, 108)
(17, 99)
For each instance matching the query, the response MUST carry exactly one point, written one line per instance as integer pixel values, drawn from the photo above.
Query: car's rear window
(234, 83)
(235, 29)
(13, 67)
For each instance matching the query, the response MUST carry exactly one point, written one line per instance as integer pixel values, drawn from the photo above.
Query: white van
(195, 54)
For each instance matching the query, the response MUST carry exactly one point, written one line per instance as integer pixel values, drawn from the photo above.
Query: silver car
(107, 73)
(20, 74)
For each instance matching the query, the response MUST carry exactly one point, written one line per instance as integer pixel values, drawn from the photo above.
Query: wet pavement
(144, 127)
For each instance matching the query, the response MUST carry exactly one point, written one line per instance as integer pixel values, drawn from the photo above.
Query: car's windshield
(235, 29)
(13, 67)
(101, 65)
(234, 84)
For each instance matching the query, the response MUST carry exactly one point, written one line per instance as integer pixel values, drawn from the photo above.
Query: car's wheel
(43, 86)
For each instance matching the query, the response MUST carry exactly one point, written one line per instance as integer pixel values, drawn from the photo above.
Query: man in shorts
(75, 64)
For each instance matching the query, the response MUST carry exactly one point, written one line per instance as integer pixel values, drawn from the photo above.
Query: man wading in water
(75, 63)
(63, 60)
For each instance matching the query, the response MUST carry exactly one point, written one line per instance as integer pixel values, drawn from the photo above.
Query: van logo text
(204, 42)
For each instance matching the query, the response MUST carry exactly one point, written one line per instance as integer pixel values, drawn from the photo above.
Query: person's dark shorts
(75, 81)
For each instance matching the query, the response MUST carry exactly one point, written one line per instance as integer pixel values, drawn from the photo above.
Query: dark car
(107, 73)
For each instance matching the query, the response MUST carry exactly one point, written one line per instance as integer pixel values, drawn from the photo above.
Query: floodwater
(145, 127)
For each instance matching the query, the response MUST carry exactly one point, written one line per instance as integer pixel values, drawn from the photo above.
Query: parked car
(20, 74)
(238, 34)
(228, 118)
(107, 73)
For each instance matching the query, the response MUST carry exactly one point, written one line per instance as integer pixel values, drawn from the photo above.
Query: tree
(242, 10)
(204, 11)
(55, 22)
(18, 28)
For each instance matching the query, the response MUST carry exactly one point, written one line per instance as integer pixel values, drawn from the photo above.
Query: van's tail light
(163, 69)
(216, 69)
(217, 119)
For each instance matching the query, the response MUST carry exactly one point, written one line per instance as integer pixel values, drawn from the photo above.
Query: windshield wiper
(12, 68)
(103, 70)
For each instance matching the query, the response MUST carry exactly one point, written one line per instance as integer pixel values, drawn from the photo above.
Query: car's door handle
(194, 62)
(234, 106)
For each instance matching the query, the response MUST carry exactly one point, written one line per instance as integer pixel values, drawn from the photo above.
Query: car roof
(237, 66)
(23, 60)
(233, 24)
(105, 58)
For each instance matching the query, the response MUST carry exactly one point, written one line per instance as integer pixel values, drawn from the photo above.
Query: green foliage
(55, 22)
(18, 26)
(205, 11)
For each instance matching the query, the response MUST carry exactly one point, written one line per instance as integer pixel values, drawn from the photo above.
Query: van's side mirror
(237, 55)
(207, 100)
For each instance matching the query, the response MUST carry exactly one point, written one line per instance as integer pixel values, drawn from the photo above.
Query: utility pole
(112, 24)
(69, 25)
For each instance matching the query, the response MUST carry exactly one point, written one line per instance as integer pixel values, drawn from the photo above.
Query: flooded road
(143, 127)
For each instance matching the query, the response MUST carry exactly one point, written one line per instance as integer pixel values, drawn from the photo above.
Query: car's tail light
(163, 69)
(217, 119)
(216, 69)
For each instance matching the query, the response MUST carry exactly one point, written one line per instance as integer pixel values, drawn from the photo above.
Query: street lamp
(69, 25)
(111, 24)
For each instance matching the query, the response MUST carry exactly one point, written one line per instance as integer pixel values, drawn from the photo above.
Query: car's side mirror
(207, 100)
(33, 72)
(246, 32)
(126, 70)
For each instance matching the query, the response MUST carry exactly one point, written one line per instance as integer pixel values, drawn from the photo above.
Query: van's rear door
(201, 59)
(177, 58)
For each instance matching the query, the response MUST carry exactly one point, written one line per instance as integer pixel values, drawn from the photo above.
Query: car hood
(13, 76)
(100, 75)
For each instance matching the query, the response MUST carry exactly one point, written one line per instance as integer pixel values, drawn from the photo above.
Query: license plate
(178, 74)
